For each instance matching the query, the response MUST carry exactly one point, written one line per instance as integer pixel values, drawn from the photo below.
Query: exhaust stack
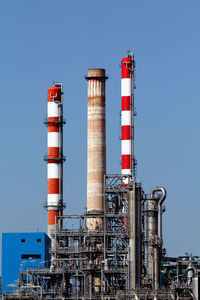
(127, 158)
(54, 156)
(96, 146)
(127, 114)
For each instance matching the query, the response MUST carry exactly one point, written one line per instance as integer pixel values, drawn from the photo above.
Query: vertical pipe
(96, 146)
(55, 156)
(138, 235)
(161, 200)
(132, 239)
(135, 251)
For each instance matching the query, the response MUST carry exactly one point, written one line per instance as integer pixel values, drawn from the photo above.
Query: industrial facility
(115, 249)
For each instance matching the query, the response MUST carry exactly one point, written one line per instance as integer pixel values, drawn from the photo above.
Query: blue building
(21, 251)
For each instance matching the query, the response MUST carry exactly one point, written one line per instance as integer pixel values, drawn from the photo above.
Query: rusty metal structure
(115, 249)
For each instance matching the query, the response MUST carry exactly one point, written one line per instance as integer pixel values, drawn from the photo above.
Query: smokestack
(96, 146)
(127, 153)
(55, 156)
(127, 115)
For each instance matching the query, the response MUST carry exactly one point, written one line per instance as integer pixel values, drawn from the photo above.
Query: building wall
(22, 250)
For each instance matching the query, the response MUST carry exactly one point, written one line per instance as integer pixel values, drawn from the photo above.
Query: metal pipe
(156, 268)
(135, 295)
(131, 225)
(160, 203)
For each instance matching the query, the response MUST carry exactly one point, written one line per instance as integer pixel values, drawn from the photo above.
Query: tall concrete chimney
(96, 146)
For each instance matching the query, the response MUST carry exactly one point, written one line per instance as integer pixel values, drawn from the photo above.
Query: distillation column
(153, 211)
(96, 145)
(55, 156)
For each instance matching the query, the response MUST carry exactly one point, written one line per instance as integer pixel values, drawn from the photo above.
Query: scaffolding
(95, 264)
(87, 264)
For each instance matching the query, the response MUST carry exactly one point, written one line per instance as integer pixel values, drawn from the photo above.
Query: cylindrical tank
(153, 234)
(96, 146)
(54, 156)
(196, 286)
(152, 247)
(127, 115)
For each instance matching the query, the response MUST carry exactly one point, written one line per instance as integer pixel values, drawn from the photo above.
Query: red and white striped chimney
(55, 156)
(127, 115)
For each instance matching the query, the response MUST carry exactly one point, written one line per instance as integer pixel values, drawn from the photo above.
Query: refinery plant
(115, 249)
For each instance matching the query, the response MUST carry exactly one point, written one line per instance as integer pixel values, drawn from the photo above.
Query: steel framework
(95, 263)
(87, 264)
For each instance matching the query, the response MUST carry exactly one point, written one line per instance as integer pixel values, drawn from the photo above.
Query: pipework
(153, 212)
(161, 200)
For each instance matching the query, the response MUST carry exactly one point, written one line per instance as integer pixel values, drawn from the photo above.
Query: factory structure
(115, 249)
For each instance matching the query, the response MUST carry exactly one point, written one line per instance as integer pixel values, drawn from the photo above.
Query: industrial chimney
(96, 146)
(127, 114)
(54, 156)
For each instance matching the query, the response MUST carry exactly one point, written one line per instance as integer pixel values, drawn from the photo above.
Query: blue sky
(46, 41)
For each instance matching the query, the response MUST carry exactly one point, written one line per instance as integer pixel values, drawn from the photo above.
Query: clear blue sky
(43, 41)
